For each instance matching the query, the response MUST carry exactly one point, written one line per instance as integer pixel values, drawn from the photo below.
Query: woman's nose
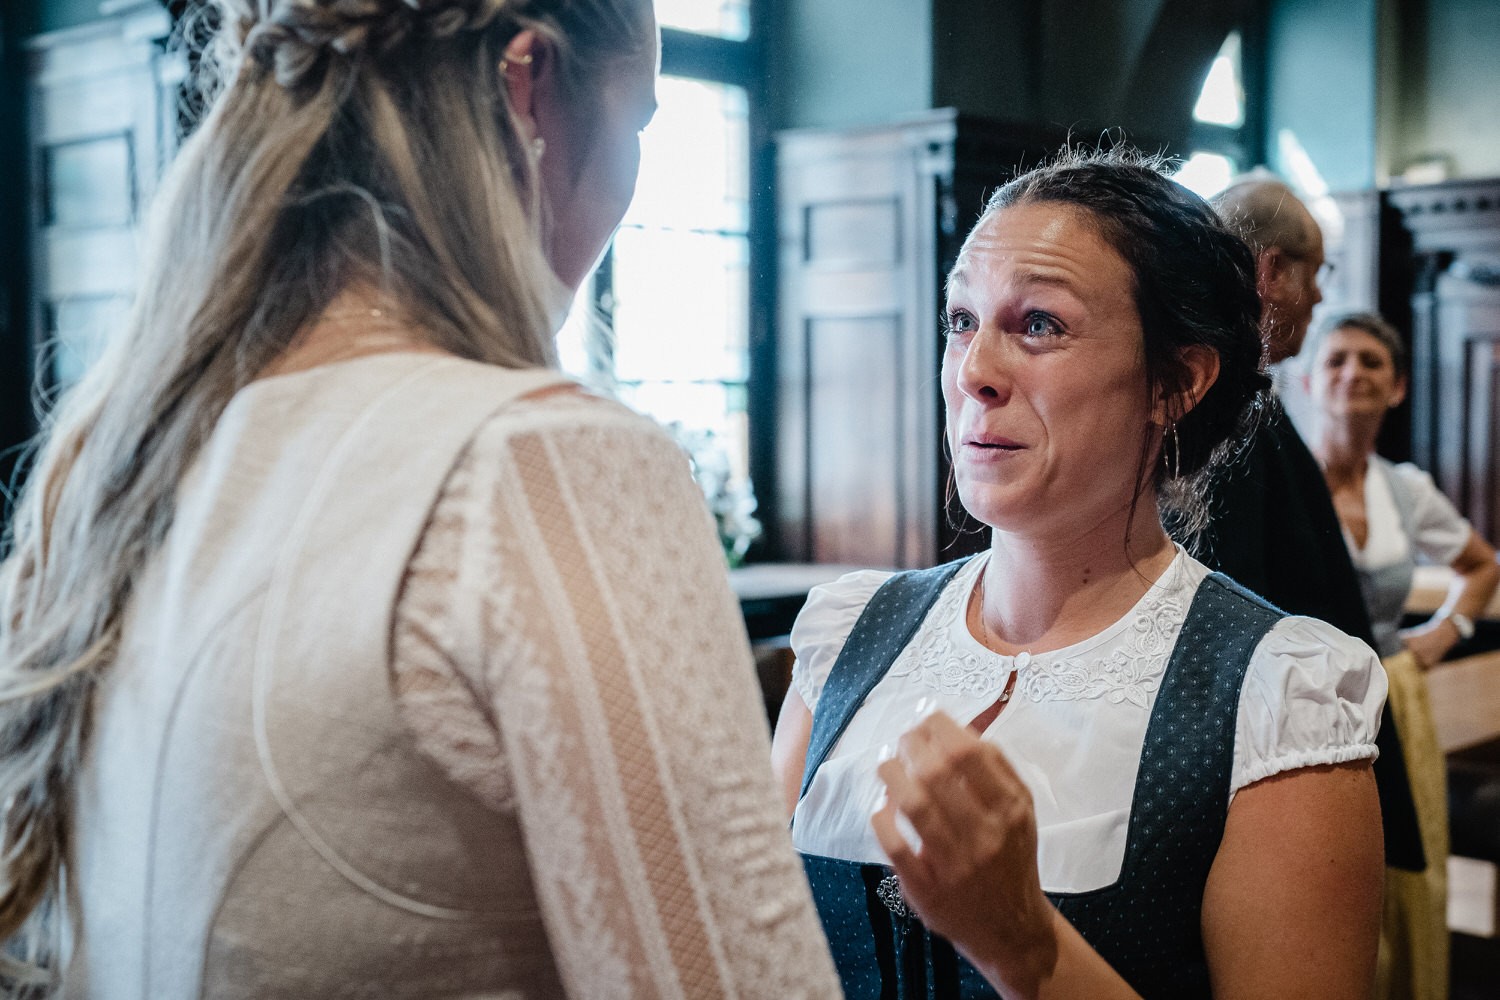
(984, 373)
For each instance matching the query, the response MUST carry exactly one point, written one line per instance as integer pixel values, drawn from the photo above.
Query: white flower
(731, 500)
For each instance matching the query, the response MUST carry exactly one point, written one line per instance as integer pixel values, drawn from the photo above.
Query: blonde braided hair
(348, 141)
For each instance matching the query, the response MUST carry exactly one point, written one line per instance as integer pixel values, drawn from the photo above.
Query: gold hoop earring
(1174, 470)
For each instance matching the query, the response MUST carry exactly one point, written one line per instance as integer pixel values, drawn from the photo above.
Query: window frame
(737, 62)
(1245, 143)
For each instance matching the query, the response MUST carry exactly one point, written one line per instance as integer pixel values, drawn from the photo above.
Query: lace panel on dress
(609, 665)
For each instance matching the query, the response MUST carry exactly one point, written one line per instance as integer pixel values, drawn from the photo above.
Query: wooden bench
(1465, 697)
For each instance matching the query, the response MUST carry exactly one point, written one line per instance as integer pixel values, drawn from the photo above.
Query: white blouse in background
(1440, 530)
(1076, 721)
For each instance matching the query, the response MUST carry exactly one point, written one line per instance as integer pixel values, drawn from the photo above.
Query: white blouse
(1077, 718)
(1440, 531)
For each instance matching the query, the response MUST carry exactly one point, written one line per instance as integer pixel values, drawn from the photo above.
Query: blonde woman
(1394, 516)
(346, 649)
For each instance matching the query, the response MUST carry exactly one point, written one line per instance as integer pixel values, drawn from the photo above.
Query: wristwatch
(1463, 624)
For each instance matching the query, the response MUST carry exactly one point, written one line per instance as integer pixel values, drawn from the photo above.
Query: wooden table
(771, 594)
(1465, 692)
(1465, 696)
(1429, 588)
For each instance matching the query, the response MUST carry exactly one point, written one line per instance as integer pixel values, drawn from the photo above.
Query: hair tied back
(297, 39)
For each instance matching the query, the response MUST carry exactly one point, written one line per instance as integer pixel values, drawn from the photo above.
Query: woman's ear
(1202, 364)
(1398, 395)
(525, 60)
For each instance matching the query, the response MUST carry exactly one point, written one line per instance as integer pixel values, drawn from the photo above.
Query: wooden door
(1453, 230)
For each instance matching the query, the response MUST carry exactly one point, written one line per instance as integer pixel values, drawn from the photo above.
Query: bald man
(1272, 525)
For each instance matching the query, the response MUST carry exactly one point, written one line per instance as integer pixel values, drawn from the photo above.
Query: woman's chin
(1354, 409)
(998, 508)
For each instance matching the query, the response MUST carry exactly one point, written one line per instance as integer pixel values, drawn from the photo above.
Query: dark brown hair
(1194, 287)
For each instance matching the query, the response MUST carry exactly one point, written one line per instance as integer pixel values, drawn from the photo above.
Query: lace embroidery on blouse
(943, 666)
(567, 647)
(1130, 669)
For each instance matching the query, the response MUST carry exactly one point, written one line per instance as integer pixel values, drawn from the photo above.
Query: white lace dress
(1077, 717)
(435, 690)
(610, 705)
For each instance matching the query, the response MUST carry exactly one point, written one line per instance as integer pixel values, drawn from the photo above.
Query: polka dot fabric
(884, 629)
(1148, 924)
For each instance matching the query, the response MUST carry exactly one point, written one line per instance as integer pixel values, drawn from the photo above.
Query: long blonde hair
(351, 141)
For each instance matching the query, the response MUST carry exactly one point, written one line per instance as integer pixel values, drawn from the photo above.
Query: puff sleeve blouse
(1077, 718)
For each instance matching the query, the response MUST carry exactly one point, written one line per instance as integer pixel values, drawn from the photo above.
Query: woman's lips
(992, 441)
(986, 448)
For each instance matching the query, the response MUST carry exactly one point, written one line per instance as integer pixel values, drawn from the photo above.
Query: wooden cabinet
(1449, 237)
(101, 113)
(869, 222)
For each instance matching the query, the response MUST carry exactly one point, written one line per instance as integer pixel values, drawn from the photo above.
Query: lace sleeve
(612, 666)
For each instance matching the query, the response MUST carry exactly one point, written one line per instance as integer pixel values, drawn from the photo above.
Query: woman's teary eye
(1039, 324)
(956, 321)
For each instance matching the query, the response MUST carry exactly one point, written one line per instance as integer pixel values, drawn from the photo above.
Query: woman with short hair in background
(1393, 517)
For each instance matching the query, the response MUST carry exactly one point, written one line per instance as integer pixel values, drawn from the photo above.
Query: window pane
(713, 407)
(1222, 101)
(681, 304)
(678, 271)
(695, 159)
(725, 18)
(584, 333)
(1205, 174)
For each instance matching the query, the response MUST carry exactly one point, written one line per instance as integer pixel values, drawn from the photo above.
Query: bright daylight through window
(673, 290)
(1221, 108)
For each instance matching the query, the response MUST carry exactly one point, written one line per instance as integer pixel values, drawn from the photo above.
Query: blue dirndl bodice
(1147, 925)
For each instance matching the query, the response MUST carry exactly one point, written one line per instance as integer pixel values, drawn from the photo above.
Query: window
(1206, 173)
(1219, 120)
(1222, 101)
(724, 18)
(673, 290)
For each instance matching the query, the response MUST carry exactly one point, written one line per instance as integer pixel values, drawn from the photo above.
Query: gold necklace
(378, 333)
(987, 638)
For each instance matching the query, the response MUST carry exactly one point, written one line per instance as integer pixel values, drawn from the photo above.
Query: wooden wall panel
(856, 215)
(1482, 418)
(102, 128)
(854, 367)
(854, 234)
(1449, 235)
(869, 222)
